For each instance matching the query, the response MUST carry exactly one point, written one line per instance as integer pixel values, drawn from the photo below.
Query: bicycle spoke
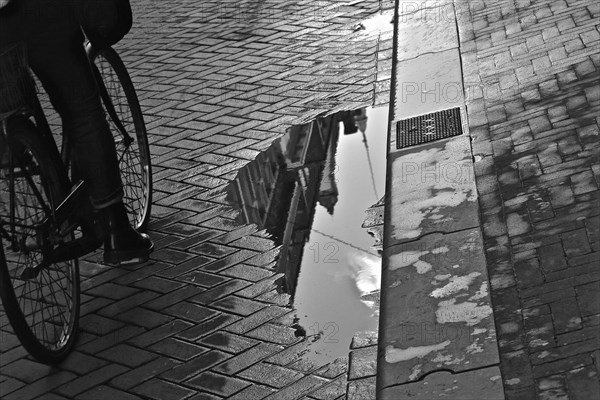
(56, 303)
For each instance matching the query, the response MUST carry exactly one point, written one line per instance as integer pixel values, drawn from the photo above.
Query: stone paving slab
(428, 83)
(472, 385)
(424, 28)
(432, 190)
(436, 308)
(428, 73)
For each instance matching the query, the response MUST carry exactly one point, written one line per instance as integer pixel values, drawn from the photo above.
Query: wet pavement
(237, 304)
(211, 315)
(533, 115)
(524, 72)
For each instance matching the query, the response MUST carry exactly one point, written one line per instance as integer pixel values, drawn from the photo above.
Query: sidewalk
(437, 336)
(529, 75)
(535, 129)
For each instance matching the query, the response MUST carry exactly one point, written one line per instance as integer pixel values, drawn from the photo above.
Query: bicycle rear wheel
(42, 307)
(126, 121)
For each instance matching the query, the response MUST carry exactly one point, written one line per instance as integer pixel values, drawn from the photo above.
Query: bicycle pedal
(74, 249)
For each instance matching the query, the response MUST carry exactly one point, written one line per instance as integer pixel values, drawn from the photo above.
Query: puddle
(310, 191)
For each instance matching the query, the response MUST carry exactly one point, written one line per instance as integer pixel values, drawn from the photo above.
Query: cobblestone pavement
(531, 70)
(218, 82)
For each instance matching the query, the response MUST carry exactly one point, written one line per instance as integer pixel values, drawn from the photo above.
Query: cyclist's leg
(60, 62)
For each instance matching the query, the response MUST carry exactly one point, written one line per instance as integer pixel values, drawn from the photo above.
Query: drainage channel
(310, 191)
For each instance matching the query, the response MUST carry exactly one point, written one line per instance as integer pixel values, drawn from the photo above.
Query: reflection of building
(360, 117)
(307, 149)
(354, 121)
(328, 191)
(280, 189)
(255, 189)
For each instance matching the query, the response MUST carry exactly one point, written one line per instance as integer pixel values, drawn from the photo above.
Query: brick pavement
(531, 70)
(218, 82)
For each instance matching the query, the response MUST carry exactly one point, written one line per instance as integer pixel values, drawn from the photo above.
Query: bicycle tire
(42, 309)
(134, 157)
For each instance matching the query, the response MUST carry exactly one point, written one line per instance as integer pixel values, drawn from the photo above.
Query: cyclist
(54, 43)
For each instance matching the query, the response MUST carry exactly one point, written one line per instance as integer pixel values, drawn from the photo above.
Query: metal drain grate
(428, 128)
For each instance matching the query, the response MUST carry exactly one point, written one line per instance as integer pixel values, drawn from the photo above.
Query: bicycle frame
(53, 218)
(57, 224)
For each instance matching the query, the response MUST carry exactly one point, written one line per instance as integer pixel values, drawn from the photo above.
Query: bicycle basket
(15, 86)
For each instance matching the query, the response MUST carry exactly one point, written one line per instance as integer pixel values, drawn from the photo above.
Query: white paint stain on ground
(427, 182)
(440, 250)
(456, 284)
(423, 267)
(447, 359)
(394, 355)
(471, 313)
(481, 293)
(474, 347)
(416, 370)
(440, 358)
(406, 258)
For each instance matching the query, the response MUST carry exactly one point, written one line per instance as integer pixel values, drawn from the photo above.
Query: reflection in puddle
(310, 191)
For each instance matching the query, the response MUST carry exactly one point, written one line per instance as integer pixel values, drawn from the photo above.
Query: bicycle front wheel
(126, 121)
(41, 302)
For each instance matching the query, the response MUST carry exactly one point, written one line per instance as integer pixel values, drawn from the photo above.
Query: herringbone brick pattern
(218, 82)
(532, 70)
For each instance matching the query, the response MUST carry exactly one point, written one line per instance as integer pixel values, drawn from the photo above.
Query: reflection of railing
(255, 187)
(298, 224)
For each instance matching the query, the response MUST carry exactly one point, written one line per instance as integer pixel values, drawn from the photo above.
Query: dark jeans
(56, 55)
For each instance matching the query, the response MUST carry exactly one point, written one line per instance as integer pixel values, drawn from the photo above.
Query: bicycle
(41, 214)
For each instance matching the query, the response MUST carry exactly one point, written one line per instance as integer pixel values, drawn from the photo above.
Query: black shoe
(123, 245)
